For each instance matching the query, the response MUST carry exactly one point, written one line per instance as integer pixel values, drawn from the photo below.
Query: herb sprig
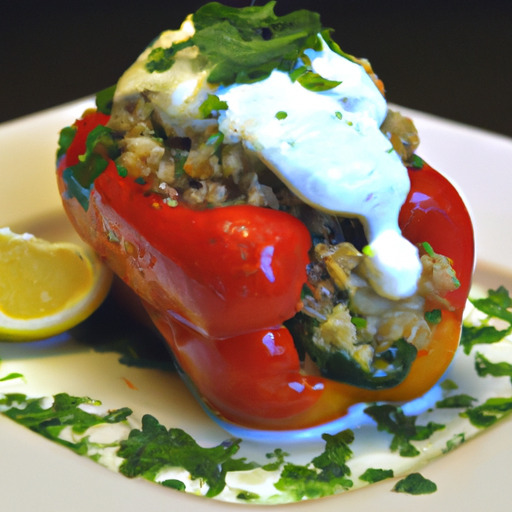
(244, 45)
(497, 305)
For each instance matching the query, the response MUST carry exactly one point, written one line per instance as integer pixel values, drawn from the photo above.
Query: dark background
(450, 58)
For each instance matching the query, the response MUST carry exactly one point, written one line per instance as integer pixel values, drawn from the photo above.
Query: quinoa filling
(341, 311)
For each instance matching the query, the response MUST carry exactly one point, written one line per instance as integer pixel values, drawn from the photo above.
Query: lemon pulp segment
(45, 288)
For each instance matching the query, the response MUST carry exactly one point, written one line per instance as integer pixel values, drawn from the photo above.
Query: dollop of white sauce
(327, 146)
(328, 149)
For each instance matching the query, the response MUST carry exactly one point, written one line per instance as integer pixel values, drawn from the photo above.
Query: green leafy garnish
(481, 334)
(215, 140)
(314, 82)
(417, 162)
(105, 99)
(428, 249)
(449, 385)
(485, 367)
(162, 59)
(327, 474)
(433, 317)
(244, 45)
(63, 412)
(497, 305)
(80, 178)
(392, 419)
(172, 483)
(11, 376)
(281, 115)
(311, 80)
(148, 451)
(456, 401)
(415, 484)
(368, 251)
(278, 459)
(247, 496)
(373, 475)
(455, 442)
(66, 137)
(210, 104)
(359, 322)
(121, 170)
(488, 413)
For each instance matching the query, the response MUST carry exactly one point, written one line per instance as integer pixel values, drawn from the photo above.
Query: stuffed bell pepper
(246, 178)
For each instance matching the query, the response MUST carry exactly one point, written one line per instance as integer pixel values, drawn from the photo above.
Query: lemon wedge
(46, 288)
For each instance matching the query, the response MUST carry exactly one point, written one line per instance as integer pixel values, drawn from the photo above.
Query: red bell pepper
(219, 283)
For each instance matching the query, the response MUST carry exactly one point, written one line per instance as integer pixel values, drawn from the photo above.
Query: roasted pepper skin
(432, 212)
(202, 267)
(241, 263)
(219, 284)
(435, 213)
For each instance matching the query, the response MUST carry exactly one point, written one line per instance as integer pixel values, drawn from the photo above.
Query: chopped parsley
(105, 99)
(455, 442)
(80, 178)
(154, 448)
(244, 45)
(456, 401)
(415, 484)
(311, 80)
(392, 419)
(66, 137)
(175, 484)
(497, 305)
(373, 475)
(215, 140)
(449, 385)
(277, 458)
(417, 162)
(211, 104)
(359, 322)
(368, 251)
(433, 317)
(485, 367)
(122, 171)
(488, 413)
(481, 334)
(64, 411)
(11, 376)
(428, 249)
(327, 473)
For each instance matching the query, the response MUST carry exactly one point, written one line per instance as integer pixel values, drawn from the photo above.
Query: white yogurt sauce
(326, 146)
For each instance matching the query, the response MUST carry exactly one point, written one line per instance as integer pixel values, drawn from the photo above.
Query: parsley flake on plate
(415, 484)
